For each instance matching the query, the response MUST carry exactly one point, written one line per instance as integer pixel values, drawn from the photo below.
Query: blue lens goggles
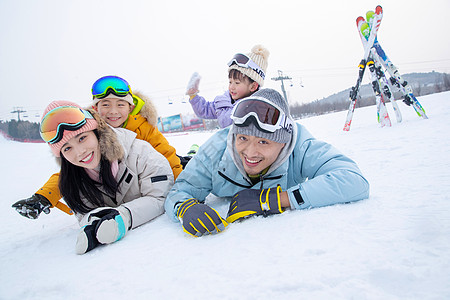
(108, 84)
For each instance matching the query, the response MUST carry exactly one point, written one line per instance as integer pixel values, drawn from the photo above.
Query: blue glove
(251, 202)
(199, 219)
(33, 206)
(106, 225)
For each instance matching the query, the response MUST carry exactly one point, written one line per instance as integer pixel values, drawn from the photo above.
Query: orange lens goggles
(62, 118)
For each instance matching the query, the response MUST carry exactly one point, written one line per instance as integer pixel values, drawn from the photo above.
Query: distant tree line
(320, 107)
(21, 129)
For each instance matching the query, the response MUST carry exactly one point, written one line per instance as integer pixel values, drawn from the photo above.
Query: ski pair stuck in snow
(367, 44)
(374, 59)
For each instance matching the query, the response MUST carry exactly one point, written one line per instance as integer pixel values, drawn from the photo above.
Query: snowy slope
(395, 245)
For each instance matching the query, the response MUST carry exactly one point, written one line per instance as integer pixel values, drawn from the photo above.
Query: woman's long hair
(74, 182)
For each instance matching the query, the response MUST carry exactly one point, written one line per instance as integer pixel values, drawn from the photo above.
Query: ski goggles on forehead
(244, 61)
(266, 116)
(62, 118)
(106, 84)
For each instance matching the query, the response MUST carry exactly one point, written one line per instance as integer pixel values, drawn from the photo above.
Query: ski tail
(384, 85)
(354, 91)
(398, 82)
(382, 113)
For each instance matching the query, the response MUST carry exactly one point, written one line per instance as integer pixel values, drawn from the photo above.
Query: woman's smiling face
(83, 150)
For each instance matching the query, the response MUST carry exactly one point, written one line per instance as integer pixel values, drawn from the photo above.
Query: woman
(119, 107)
(112, 181)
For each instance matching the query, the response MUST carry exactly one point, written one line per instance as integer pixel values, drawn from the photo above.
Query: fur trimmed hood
(149, 110)
(110, 147)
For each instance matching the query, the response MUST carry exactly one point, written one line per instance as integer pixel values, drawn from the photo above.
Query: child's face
(114, 111)
(82, 150)
(241, 88)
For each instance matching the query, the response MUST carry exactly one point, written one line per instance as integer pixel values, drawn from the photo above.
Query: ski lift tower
(281, 77)
(18, 110)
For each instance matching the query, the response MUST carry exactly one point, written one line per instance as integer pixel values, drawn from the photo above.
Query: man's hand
(199, 219)
(251, 202)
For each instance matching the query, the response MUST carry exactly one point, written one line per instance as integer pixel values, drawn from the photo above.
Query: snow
(394, 245)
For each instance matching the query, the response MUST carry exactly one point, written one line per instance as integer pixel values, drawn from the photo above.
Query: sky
(55, 50)
(394, 245)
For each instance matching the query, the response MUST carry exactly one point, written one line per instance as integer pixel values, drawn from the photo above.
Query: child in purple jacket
(246, 74)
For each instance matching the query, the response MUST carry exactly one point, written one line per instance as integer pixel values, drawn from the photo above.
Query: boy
(246, 74)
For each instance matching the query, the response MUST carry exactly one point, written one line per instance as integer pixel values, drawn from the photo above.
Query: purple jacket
(219, 109)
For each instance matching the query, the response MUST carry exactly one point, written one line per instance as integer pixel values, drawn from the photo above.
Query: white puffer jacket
(144, 177)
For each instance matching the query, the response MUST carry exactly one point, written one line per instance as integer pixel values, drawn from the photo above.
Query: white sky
(54, 50)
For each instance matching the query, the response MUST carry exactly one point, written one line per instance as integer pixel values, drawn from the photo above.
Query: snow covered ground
(394, 245)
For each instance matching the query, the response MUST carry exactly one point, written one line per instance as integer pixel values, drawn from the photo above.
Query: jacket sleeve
(331, 177)
(152, 135)
(194, 182)
(223, 107)
(155, 179)
(202, 108)
(50, 190)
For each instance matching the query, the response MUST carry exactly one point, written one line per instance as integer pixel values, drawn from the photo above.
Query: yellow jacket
(143, 121)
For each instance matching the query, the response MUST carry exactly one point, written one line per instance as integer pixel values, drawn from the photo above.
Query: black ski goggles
(266, 116)
(244, 61)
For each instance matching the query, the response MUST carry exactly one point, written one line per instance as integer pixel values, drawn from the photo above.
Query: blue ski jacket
(312, 168)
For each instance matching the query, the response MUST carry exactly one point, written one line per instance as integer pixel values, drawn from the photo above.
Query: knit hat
(91, 124)
(259, 55)
(127, 98)
(282, 135)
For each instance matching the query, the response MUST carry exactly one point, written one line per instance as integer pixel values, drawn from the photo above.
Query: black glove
(199, 219)
(251, 202)
(33, 206)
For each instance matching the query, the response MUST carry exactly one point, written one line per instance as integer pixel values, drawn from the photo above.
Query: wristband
(298, 197)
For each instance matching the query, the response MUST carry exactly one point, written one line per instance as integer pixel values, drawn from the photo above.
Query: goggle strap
(256, 122)
(250, 64)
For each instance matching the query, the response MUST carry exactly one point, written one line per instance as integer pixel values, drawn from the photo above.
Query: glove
(199, 219)
(192, 87)
(106, 225)
(86, 240)
(251, 202)
(33, 206)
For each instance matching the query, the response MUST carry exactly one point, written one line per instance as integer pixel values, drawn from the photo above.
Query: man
(267, 164)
